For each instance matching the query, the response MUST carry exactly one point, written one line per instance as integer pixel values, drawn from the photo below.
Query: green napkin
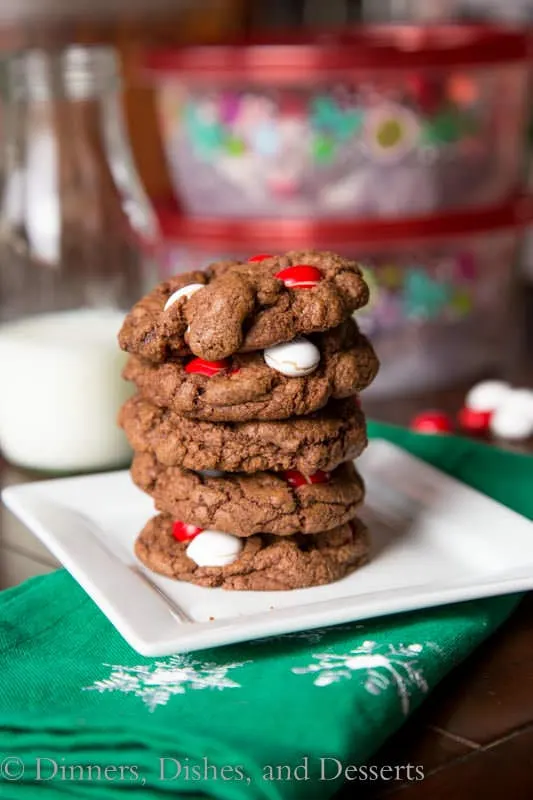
(280, 718)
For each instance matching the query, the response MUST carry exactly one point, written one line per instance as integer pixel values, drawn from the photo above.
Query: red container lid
(378, 47)
(268, 235)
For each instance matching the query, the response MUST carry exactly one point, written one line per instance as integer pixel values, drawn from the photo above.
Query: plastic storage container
(440, 288)
(390, 122)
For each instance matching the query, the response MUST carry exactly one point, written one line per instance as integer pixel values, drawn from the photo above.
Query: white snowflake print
(156, 683)
(382, 665)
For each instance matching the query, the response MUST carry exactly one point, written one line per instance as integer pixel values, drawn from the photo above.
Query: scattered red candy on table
(199, 366)
(474, 421)
(296, 479)
(300, 276)
(260, 257)
(184, 532)
(432, 422)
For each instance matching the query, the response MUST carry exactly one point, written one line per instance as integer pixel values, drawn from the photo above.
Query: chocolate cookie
(246, 387)
(265, 563)
(282, 503)
(320, 441)
(239, 307)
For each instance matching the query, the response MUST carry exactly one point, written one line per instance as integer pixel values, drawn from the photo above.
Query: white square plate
(435, 541)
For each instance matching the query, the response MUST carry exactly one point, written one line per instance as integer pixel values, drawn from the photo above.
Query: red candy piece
(474, 421)
(301, 276)
(184, 532)
(199, 366)
(432, 422)
(260, 257)
(296, 479)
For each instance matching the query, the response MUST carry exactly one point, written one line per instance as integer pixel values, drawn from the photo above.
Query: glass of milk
(69, 264)
(61, 390)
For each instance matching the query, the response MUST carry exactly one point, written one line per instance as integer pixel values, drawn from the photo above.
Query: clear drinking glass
(72, 212)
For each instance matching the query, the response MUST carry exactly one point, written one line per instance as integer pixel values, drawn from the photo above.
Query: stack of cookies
(246, 421)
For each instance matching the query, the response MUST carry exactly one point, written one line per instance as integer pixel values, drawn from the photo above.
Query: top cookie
(238, 307)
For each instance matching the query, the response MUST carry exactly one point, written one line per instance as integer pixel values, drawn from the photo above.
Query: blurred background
(142, 139)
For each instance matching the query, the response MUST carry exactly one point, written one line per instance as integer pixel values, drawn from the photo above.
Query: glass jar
(72, 211)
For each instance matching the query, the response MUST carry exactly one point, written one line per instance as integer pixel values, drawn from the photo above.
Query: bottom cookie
(265, 563)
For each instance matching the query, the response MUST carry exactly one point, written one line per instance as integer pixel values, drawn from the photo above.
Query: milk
(60, 391)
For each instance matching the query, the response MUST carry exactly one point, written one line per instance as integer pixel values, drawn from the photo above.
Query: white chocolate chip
(185, 291)
(522, 401)
(214, 549)
(506, 423)
(487, 395)
(296, 358)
